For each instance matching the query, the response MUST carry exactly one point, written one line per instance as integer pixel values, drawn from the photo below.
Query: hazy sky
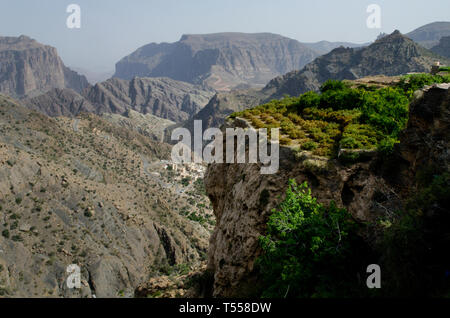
(111, 29)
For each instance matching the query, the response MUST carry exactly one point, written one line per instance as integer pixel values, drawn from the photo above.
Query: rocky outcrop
(443, 48)
(391, 55)
(243, 198)
(223, 60)
(425, 142)
(29, 68)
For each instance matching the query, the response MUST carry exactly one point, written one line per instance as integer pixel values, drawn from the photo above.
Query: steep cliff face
(223, 60)
(243, 198)
(29, 68)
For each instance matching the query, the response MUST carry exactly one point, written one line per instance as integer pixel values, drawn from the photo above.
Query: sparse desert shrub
(17, 238)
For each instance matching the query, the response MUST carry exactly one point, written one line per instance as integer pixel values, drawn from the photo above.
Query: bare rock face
(223, 60)
(243, 198)
(425, 142)
(29, 68)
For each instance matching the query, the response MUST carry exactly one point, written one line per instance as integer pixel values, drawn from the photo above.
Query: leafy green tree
(307, 249)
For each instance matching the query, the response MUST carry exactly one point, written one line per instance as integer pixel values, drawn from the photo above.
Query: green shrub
(386, 146)
(410, 83)
(307, 247)
(5, 233)
(309, 145)
(358, 136)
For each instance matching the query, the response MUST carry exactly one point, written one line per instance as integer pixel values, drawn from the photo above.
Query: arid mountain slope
(84, 191)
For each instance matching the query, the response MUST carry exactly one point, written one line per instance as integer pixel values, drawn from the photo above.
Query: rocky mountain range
(162, 97)
(222, 61)
(430, 34)
(35, 73)
(390, 55)
(28, 68)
